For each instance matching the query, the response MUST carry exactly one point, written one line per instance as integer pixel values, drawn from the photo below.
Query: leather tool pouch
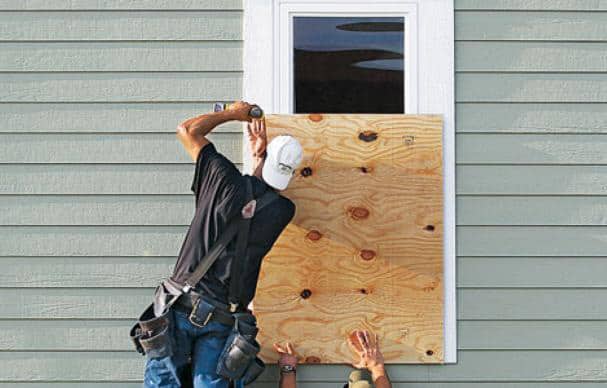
(152, 335)
(238, 359)
(201, 313)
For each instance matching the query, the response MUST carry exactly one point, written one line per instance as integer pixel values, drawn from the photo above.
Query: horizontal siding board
(539, 335)
(531, 149)
(532, 304)
(536, 5)
(495, 366)
(103, 117)
(121, 56)
(138, 272)
(100, 272)
(97, 210)
(118, 87)
(530, 56)
(531, 87)
(531, 241)
(109, 335)
(91, 241)
(522, 118)
(107, 148)
(507, 25)
(96, 179)
(65, 335)
(119, 4)
(537, 210)
(473, 304)
(537, 180)
(120, 25)
(531, 272)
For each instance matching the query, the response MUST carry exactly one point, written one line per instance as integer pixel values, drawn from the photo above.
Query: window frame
(429, 87)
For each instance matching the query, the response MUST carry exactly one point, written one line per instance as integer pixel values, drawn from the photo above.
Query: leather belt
(221, 313)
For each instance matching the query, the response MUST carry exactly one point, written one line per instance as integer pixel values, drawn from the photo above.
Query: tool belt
(152, 334)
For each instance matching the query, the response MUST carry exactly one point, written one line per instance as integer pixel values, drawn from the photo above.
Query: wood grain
(365, 247)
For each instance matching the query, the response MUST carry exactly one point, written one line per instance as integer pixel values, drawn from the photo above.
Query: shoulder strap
(220, 245)
(236, 269)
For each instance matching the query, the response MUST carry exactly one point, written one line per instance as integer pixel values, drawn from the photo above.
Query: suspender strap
(220, 245)
(209, 259)
(240, 253)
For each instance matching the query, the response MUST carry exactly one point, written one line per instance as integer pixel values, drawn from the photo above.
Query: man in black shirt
(220, 196)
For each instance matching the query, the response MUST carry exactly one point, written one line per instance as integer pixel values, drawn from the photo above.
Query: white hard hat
(284, 154)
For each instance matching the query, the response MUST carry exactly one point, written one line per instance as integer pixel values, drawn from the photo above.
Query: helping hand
(368, 352)
(258, 138)
(287, 355)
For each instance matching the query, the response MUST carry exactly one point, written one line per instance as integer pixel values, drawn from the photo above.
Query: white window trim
(429, 80)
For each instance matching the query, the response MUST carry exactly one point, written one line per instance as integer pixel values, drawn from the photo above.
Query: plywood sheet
(365, 249)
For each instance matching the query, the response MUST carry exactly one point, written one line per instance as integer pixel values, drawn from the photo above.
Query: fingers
(278, 348)
(367, 338)
(362, 339)
(290, 349)
(262, 126)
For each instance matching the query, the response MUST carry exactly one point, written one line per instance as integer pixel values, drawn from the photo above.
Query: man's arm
(287, 358)
(370, 357)
(192, 132)
(258, 140)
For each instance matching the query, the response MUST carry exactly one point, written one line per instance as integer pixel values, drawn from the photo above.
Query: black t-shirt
(220, 193)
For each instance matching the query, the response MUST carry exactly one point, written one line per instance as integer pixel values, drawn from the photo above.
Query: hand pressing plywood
(365, 249)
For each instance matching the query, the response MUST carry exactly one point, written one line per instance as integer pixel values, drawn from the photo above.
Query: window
(300, 54)
(348, 64)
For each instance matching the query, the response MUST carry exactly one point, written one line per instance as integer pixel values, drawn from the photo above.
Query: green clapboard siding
(122, 56)
(104, 5)
(95, 191)
(120, 25)
(102, 117)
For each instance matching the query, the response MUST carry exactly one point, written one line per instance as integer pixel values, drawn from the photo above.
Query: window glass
(348, 64)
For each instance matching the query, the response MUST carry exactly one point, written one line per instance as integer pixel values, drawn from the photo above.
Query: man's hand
(241, 110)
(287, 355)
(369, 355)
(258, 138)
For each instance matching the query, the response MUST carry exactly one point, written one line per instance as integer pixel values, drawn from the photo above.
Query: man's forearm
(287, 380)
(201, 125)
(380, 378)
(258, 162)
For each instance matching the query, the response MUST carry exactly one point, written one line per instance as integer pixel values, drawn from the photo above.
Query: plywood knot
(409, 140)
(367, 254)
(314, 235)
(363, 291)
(358, 213)
(306, 293)
(365, 170)
(306, 172)
(429, 352)
(429, 228)
(316, 117)
(367, 136)
(312, 360)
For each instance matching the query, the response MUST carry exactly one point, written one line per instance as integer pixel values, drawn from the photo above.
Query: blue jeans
(200, 345)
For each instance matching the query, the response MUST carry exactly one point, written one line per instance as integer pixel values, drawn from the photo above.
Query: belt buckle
(196, 316)
(233, 307)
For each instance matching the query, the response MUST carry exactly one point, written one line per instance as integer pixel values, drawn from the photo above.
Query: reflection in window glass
(348, 64)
